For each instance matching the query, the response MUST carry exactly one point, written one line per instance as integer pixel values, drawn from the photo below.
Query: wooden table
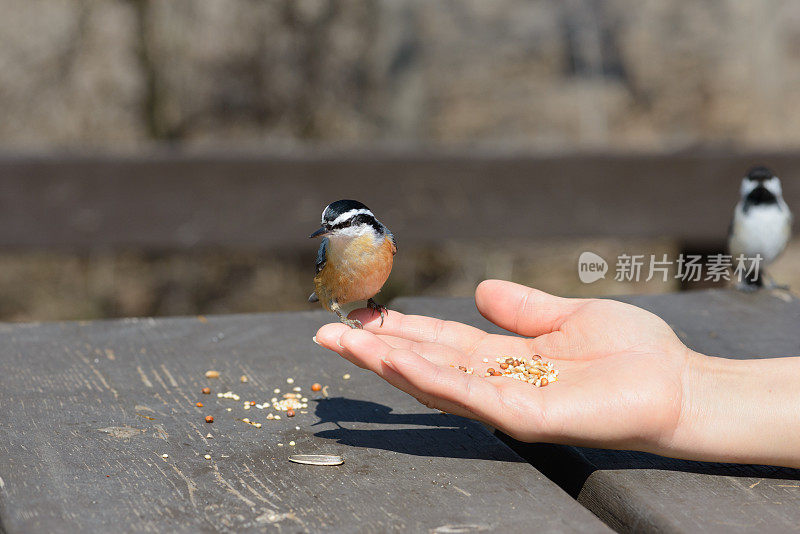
(100, 431)
(634, 491)
(91, 408)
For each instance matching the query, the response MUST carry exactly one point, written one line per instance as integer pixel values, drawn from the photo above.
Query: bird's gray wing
(322, 255)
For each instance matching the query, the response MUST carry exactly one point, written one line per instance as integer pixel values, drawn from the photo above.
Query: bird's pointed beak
(321, 231)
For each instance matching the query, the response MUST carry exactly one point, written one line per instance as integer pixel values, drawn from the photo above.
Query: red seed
(199, 404)
(209, 419)
(503, 366)
(490, 370)
(289, 413)
(497, 373)
(516, 363)
(206, 391)
(545, 381)
(537, 357)
(252, 403)
(316, 387)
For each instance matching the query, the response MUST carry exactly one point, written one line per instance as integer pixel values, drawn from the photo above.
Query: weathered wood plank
(180, 201)
(89, 409)
(635, 491)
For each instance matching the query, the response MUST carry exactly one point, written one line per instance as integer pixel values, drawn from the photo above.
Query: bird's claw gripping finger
(355, 324)
(380, 308)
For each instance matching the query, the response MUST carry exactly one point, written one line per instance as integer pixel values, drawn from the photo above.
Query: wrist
(742, 411)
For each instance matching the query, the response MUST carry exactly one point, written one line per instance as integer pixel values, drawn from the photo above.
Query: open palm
(621, 367)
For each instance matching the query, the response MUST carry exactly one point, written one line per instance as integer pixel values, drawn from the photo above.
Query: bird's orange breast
(355, 270)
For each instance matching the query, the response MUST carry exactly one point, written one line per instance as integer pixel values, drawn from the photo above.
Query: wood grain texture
(90, 408)
(635, 492)
(168, 201)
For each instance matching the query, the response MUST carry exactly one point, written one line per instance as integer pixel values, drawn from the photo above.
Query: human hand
(622, 369)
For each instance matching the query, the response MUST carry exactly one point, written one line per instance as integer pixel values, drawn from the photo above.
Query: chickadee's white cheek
(747, 187)
(773, 185)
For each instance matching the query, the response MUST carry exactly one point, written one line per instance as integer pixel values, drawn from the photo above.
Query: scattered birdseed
(292, 443)
(246, 406)
(212, 374)
(276, 391)
(165, 455)
(280, 444)
(277, 417)
(296, 388)
(251, 423)
(228, 395)
(297, 428)
(270, 416)
(229, 409)
(199, 404)
(290, 380)
(304, 399)
(290, 401)
(243, 379)
(206, 391)
(347, 376)
(209, 419)
(290, 413)
(209, 436)
(316, 386)
(486, 360)
(207, 456)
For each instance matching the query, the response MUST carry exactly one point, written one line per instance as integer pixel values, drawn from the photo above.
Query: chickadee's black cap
(760, 173)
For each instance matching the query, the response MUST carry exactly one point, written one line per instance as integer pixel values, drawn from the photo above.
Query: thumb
(521, 309)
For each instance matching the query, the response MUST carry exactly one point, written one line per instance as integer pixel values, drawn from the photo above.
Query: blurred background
(169, 157)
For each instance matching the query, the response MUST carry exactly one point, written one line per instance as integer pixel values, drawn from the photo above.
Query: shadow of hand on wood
(422, 434)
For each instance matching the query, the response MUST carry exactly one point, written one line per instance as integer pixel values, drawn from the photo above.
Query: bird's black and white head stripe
(346, 213)
(760, 186)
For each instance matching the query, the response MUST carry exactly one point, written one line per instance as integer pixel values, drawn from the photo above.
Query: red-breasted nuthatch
(354, 259)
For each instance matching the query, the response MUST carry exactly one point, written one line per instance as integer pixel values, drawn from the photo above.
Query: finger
(330, 334)
(368, 352)
(434, 352)
(522, 309)
(468, 350)
(422, 329)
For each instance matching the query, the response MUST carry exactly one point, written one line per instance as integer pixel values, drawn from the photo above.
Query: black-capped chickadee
(354, 259)
(762, 223)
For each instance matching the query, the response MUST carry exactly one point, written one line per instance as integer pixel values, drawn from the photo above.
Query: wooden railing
(264, 202)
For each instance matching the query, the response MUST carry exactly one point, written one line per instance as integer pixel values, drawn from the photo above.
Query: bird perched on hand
(354, 258)
(762, 223)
